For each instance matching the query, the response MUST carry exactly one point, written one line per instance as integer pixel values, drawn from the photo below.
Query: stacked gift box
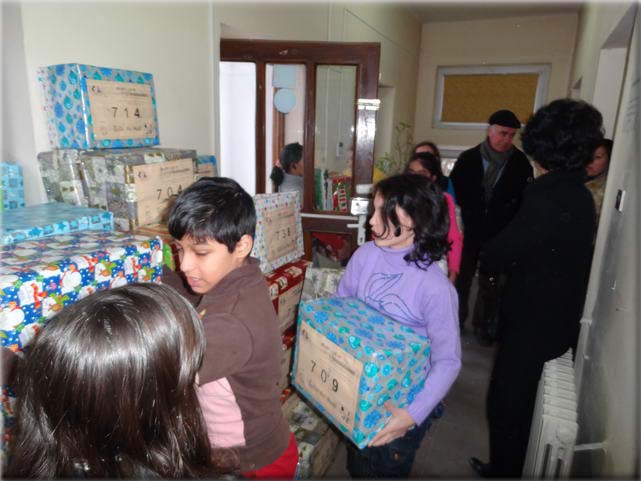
(321, 282)
(11, 186)
(39, 221)
(285, 288)
(38, 278)
(350, 359)
(316, 440)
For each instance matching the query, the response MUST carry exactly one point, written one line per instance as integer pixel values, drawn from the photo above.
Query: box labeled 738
(350, 359)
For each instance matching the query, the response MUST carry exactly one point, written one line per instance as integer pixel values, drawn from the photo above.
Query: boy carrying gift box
(214, 222)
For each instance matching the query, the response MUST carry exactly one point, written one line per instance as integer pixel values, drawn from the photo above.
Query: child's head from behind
(409, 210)
(214, 221)
(107, 390)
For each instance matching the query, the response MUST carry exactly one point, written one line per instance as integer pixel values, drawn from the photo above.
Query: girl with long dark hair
(397, 274)
(108, 391)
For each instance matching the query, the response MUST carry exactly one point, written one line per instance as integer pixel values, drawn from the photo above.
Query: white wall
(508, 41)
(608, 353)
(173, 41)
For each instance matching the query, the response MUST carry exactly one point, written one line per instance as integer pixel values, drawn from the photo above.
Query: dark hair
(563, 135)
(290, 154)
(607, 144)
(431, 145)
(215, 208)
(107, 390)
(425, 204)
(432, 164)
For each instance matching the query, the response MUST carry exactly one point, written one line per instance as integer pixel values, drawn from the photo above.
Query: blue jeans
(392, 460)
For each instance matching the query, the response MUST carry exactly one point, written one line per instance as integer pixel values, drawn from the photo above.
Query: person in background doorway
(288, 176)
(489, 180)
(597, 174)
(429, 147)
(409, 226)
(545, 252)
(429, 166)
(108, 390)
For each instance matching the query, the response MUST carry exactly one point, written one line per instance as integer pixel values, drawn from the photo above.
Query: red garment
(454, 236)
(283, 468)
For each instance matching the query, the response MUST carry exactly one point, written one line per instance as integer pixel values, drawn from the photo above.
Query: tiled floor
(461, 432)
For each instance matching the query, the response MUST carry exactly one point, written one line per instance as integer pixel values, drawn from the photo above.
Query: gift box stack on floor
(108, 185)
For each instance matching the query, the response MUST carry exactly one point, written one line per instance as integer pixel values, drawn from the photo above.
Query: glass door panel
(334, 137)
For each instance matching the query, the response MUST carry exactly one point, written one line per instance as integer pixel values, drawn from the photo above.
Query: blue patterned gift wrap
(45, 220)
(91, 107)
(11, 186)
(38, 278)
(350, 359)
(279, 230)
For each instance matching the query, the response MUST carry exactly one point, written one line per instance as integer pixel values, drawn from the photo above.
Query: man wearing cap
(488, 181)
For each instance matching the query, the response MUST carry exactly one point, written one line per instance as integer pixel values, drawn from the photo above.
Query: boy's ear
(244, 246)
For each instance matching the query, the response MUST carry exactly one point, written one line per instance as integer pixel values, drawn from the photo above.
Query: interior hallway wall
(608, 353)
(173, 41)
(508, 41)
(393, 26)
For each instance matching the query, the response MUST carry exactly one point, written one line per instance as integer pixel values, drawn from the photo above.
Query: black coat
(546, 252)
(481, 223)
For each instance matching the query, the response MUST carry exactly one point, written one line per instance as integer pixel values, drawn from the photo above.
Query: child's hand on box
(397, 426)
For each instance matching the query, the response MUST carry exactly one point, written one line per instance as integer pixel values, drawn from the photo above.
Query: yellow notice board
(473, 98)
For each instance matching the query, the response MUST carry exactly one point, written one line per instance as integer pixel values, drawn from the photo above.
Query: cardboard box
(11, 186)
(285, 287)
(279, 230)
(38, 278)
(350, 359)
(316, 440)
(136, 184)
(90, 107)
(45, 220)
(321, 282)
(61, 176)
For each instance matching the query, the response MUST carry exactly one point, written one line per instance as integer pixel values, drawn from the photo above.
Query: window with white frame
(467, 96)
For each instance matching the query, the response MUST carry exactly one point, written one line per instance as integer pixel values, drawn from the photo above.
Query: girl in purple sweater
(398, 275)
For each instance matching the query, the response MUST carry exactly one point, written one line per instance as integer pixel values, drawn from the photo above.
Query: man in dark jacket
(488, 181)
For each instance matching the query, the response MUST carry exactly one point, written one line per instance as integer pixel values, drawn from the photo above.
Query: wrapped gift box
(206, 166)
(136, 184)
(285, 287)
(350, 359)
(38, 278)
(60, 171)
(279, 230)
(45, 220)
(286, 357)
(11, 186)
(169, 250)
(91, 107)
(316, 440)
(321, 282)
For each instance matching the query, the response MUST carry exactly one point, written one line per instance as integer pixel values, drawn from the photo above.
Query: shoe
(480, 468)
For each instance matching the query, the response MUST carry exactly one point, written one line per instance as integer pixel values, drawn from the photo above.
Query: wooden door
(338, 127)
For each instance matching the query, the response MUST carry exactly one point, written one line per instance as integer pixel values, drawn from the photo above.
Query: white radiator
(554, 427)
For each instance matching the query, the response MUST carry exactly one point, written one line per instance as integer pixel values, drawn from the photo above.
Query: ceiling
(454, 11)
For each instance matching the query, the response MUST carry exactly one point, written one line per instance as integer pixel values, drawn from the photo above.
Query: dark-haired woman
(428, 165)
(107, 391)
(397, 274)
(545, 252)
(288, 176)
(429, 147)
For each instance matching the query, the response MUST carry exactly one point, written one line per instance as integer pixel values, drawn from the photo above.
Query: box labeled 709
(350, 359)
